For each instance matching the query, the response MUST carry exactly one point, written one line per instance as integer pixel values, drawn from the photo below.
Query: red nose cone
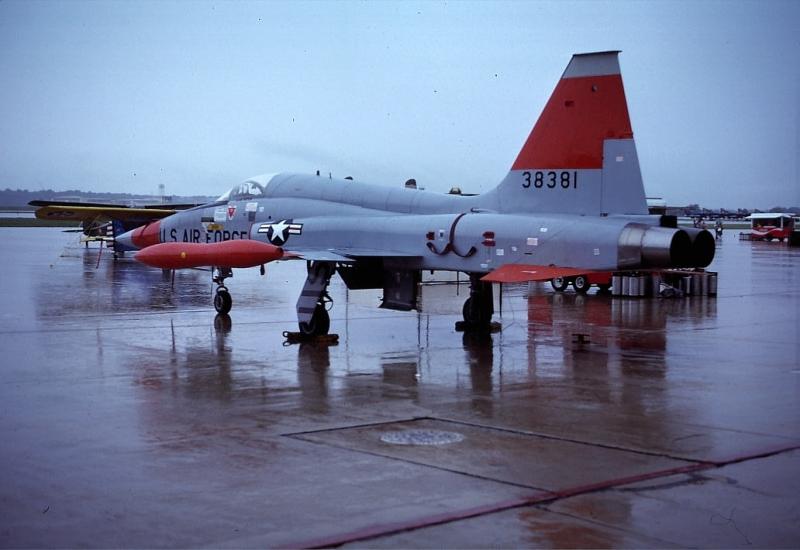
(146, 235)
(244, 253)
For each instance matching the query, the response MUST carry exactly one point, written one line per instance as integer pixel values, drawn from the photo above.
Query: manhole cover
(421, 437)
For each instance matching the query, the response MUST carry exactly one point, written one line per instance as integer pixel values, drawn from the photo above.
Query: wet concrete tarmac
(131, 416)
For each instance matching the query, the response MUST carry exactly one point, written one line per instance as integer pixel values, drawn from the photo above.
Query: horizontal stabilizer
(521, 273)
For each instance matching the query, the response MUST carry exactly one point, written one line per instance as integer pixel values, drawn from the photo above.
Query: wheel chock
(491, 328)
(580, 339)
(300, 338)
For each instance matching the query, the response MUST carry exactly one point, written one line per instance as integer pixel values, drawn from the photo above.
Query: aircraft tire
(320, 322)
(581, 284)
(475, 316)
(223, 302)
(559, 284)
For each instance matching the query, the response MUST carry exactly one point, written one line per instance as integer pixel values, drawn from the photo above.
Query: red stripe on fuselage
(580, 115)
(146, 235)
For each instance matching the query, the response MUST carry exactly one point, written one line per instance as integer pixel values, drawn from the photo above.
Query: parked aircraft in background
(97, 220)
(572, 204)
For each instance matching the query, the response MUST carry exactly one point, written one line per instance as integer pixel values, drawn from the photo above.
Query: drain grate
(422, 437)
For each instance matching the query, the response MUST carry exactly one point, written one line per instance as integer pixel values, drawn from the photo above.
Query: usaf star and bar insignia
(278, 232)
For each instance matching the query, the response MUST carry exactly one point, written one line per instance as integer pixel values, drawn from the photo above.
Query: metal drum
(686, 285)
(616, 285)
(712, 284)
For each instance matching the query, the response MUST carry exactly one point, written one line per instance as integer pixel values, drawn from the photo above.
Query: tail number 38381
(550, 180)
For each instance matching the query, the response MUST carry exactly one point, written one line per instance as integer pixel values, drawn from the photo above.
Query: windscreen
(243, 191)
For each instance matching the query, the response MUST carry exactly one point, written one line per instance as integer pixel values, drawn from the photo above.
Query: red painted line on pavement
(769, 451)
(382, 530)
(608, 484)
(410, 525)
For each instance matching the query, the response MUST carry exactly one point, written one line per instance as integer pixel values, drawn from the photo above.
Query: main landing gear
(312, 311)
(222, 299)
(478, 308)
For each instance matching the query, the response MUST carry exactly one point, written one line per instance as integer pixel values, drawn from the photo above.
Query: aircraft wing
(523, 273)
(82, 213)
(509, 273)
(318, 255)
(346, 255)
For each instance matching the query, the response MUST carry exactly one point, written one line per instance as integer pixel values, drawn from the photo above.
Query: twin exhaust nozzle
(643, 245)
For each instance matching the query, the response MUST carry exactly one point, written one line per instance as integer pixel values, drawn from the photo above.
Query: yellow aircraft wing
(98, 213)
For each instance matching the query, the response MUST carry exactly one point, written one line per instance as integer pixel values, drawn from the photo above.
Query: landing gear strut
(222, 299)
(312, 311)
(479, 307)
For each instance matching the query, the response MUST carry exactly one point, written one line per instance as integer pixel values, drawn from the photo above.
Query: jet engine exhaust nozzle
(703, 247)
(670, 248)
(650, 246)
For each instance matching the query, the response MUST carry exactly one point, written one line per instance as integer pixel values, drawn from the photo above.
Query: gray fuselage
(343, 220)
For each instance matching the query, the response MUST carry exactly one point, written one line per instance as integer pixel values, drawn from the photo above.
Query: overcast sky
(111, 96)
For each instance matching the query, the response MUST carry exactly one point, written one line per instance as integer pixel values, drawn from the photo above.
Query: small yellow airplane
(100, 222)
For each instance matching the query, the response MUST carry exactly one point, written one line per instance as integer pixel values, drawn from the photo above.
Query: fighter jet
(573, 204)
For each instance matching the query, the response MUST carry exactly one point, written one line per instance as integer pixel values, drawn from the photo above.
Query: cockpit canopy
(249, 189)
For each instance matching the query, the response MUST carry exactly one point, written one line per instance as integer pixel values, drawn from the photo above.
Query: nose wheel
(222, 299)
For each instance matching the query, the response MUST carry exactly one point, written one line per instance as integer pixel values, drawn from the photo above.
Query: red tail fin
(587, 107)
(580, 156)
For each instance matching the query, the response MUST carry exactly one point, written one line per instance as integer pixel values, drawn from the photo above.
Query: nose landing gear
(222, 299)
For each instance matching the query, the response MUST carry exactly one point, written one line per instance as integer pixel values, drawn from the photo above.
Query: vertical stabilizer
(580, 157)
